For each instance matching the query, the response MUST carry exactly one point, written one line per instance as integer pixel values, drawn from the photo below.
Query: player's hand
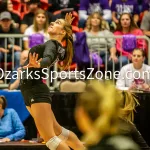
(33, 62)
(69, 18)
(19, 72)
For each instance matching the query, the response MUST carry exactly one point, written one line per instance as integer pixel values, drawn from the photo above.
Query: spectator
(15, 80)
(119, 7)
(145, 25)
(110, 2)
(146, 6)
(127, 26)
(88, 7)
(34, 5)
(7, 28)
(97, 27)
(140, 4)
(136, 74)
(40, 25)
(97, 116)
(11, 127)
(62, 4)
(6, 5)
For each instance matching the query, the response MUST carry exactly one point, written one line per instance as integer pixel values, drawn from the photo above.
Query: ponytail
(69, 47)
(129, 102)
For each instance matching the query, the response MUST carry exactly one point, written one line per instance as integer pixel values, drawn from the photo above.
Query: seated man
(135, 75)
(7, 5)
(11, 127)
(14, 82)
(6, 46)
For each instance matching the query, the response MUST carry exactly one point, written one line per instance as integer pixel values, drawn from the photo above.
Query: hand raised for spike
(33, 62)
(69, 18)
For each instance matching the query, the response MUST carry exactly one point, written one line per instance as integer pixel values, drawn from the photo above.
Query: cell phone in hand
(139, 82)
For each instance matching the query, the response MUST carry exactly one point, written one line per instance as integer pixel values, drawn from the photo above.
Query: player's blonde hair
(101, 101)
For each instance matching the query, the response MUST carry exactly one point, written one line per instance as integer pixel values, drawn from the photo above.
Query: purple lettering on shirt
(94, 5)
(146, 5)
(129, 6)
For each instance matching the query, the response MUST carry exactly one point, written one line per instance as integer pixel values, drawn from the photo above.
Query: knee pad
(53, 143)
(64, 134)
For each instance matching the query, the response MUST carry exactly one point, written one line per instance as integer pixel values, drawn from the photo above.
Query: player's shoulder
(52, 42)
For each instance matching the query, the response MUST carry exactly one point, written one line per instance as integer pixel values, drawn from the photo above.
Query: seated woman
(37, 33)
(97, 116)
(136, 74)
(11, 127)
(96, 27)
(127, 26)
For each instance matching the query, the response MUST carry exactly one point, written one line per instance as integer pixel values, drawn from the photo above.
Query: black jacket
(50, 52)
(130, 130)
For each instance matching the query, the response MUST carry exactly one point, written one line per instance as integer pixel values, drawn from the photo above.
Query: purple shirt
(130, 6)
(146, 5)
(94, 5)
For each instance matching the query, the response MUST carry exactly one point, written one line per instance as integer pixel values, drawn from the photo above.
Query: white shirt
(29, 31)
(128, 73)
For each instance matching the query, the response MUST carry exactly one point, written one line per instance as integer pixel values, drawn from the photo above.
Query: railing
(99, 67)
(56, 81)
(11, 39)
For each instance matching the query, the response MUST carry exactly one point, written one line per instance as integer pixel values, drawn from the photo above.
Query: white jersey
(128, 73)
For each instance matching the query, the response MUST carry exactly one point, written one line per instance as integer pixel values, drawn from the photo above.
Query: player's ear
(63, 32)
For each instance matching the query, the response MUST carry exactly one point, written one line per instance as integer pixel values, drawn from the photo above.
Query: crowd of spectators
(93, 18)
